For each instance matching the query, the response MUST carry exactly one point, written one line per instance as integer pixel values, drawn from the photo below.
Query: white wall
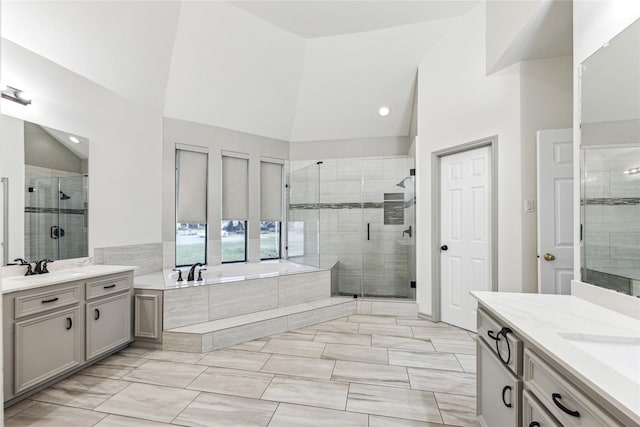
(233, 70)
(594, 24)
(354, 147)
(12, 167)
(546, 103)
(125, 144)
(458, 103)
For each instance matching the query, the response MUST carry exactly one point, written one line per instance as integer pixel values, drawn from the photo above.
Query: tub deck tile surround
(255, 384)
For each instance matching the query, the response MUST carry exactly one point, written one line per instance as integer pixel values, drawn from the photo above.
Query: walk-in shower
(355, 216)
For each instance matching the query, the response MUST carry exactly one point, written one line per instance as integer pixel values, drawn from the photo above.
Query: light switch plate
(529, 205)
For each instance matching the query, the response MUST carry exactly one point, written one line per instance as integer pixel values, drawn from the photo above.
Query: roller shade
(270, 191)
(191, 187)
(235, 188)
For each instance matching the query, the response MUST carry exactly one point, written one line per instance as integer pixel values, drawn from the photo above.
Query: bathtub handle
(200, 274)
(179, 279)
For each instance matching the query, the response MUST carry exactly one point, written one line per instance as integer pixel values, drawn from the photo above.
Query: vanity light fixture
(74, 139)
(632, 171)
(15, 95)
(383, 111)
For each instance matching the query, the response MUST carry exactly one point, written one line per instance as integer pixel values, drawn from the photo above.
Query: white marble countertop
(598, 346)
(21, 283)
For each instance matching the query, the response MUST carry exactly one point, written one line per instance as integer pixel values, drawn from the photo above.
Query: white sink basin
(619, 352)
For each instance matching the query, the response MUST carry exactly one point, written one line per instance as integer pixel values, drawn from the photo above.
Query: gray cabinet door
(499, 391)
(108, 324)
(46, 346)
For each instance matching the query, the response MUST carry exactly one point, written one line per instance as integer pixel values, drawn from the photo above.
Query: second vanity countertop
(21, 283)
(598, 346)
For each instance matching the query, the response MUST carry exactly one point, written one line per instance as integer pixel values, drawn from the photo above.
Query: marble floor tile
(133, 352)
(445, 333)
(400, 403)
(371, 373)
(380, 421)
(323, 394)
(468, 362)
(294, 348)
(149, 402)
(81, 391)
(122, 361)
(380, 320)
(169, 374)
(412, 321)
(345, 327)
(454, 346)
(18, 407)
(49, 415)
(355, 353)
(236, 359)
(305, 416)
(255, 345)
(342, 338)
(306, 367)
(401, 343)
(457, 410)
(393, 330)
(442, 381)
(298, 334)
(221, 410)
(418, 359)
(174, 356)
(232, 381)
(120, 421)
(105, 371)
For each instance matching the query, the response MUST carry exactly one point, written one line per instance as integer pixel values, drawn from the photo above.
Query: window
(270, 209)
(191, 207)
(233, 228)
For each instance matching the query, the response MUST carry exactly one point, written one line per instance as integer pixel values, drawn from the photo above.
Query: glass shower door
(303, 232)
(71, 229)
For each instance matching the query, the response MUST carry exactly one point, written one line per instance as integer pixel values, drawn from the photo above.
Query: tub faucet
(192, 271)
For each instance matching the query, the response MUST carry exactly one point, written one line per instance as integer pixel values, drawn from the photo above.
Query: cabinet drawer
(563, 400)
(108, 324)
(505, 345)
(498, 390)
(534, 413)
(109, 286)
(59, 296)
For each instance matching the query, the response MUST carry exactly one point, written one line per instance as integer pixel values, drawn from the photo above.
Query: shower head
(401, 183)
(63, 196)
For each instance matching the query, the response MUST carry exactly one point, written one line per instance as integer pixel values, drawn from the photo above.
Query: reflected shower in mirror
(610, 157)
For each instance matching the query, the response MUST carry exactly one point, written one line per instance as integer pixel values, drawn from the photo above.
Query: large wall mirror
(46, 192)
(610, 164)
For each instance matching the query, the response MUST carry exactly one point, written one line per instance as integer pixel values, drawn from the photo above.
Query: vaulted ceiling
(293, 70)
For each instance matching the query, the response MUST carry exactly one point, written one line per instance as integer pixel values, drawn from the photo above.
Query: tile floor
(375, 371)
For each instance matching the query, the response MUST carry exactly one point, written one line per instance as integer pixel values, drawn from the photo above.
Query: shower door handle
(54, 231)
(368, 231)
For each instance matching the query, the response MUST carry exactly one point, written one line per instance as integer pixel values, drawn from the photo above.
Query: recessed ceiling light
(74, 140)
(383, 111)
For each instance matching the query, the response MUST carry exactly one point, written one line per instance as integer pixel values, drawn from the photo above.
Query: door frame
(436, 157)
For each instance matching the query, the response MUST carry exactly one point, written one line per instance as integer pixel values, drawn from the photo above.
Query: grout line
(186, 406)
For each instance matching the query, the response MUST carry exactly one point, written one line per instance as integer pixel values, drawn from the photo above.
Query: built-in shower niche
(354, 214)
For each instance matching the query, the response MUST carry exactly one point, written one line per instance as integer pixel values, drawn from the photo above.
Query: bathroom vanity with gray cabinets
(57, 323)
(555, 360)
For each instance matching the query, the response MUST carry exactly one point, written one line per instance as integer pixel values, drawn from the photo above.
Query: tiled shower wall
(44, 209)
(612, 211)
(374, 260)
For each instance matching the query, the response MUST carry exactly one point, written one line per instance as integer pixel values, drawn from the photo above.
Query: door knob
(549, 257)
(444, 247)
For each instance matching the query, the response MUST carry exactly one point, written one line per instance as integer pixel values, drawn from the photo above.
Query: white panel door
(555, 211)
(465, 233)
